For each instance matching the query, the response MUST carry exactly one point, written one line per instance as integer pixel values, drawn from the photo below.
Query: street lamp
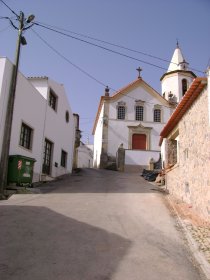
(23, 25)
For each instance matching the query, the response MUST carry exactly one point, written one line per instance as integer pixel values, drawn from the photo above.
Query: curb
(199, 257)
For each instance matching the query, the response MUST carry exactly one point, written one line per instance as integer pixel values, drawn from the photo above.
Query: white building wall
(84, 156)
(58, 131)
(98, 139)
(33, 116)
(5, 79)
(118, 129)
(173, 83)
(32, 108)
(133, 157)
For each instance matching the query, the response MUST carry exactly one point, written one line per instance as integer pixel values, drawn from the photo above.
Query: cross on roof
(139, 70)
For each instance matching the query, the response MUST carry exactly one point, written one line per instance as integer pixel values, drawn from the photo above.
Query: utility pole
(10, 105)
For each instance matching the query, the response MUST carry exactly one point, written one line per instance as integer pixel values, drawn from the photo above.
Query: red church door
(139, 142)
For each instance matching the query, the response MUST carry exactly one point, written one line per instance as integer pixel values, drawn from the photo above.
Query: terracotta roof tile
(190, 96)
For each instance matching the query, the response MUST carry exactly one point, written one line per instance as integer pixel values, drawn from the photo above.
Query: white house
(84, 156)
(135, 115)
(43, 124)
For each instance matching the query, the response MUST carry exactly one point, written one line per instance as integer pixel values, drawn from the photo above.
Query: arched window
(184, 86)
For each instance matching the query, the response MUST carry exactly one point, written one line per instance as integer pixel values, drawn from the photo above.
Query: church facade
(134, 116)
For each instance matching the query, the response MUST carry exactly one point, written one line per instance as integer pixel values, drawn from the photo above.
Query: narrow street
(93, 225)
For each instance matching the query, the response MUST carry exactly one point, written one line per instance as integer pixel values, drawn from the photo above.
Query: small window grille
(157, 115)
(139, 113)
(121, 112)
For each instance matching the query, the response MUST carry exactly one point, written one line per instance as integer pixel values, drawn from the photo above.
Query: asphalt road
(94, 225)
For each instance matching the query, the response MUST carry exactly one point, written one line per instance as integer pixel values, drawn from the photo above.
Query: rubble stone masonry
(189, 179)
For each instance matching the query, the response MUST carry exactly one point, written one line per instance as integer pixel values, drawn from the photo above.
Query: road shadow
(38, 243)
(99, 181)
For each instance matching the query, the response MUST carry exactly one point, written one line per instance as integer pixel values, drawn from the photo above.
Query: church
(133, 117)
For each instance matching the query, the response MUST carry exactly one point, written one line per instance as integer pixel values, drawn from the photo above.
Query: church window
(121, 112)
(139, 113)
(157, 115)
(184, 86)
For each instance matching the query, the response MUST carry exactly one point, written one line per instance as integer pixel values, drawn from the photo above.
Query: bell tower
(176, 81)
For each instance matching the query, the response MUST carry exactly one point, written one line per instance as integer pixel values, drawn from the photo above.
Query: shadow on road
(99, 181)
(38, 243)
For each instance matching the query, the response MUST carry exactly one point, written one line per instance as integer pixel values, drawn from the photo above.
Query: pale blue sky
(149, 26)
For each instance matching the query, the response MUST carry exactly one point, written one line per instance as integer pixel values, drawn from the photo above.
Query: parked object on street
(150, 175)
(20, 170)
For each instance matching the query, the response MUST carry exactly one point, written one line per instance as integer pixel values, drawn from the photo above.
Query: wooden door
(139, 142)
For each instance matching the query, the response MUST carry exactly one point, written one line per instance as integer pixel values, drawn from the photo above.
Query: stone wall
(189, 179)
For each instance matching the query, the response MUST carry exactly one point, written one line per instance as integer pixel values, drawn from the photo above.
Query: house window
(139, 113)
(67, 116)
(63, 158)
(121, 112)
(26, 136)
(184, 86)
(53, 100)
(47, 158)
(157, 115)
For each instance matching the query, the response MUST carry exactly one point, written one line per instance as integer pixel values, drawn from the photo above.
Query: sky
(149, 27)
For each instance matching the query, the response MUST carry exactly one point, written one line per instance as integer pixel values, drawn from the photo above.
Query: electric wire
(101, 47)
(67, 60)
(115, 45)
(10, 8)
(86, 73)
(106, 42)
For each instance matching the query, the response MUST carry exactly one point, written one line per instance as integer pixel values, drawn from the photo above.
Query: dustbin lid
(22, 157)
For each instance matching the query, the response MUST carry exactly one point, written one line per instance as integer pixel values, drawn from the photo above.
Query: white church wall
(133, 157)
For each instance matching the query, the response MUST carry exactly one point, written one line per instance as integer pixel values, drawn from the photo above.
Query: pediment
(140, 126)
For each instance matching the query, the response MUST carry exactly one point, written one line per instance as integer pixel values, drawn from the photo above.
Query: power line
(106, 42)
(101, 47)
(10, 8)
(67, 60)
(84, 72)
(116, 45)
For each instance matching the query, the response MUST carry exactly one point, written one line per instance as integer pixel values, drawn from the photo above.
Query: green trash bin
(20, 170)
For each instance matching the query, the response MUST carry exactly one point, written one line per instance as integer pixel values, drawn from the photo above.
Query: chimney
(107, 91)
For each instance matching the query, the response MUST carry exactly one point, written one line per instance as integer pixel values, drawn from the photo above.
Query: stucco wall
(31, 107)
(85, 157)
(190, 179)
(5, 79)
(98, 140)
(133, 157)
(118, 130)
(173, 82)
